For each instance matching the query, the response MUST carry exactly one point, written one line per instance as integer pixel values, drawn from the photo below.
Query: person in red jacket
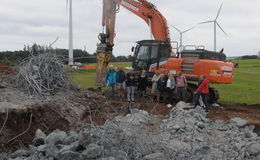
(203, 91)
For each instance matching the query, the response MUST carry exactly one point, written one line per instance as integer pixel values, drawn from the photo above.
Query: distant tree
(130, 58)
(249, 57)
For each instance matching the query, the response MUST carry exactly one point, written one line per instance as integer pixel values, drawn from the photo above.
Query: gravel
(182, 135)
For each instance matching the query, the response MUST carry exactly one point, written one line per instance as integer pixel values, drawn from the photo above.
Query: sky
(41, 21)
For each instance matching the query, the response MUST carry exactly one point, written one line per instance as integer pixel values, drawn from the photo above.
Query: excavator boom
(143, 9)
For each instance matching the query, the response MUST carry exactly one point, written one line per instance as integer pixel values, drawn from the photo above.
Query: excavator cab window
(148, 52)
(164, 51)
(143, 53)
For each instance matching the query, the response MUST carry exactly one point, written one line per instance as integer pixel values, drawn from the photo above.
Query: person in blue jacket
(111, 79)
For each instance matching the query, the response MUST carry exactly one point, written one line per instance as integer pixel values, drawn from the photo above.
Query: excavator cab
(149, 53)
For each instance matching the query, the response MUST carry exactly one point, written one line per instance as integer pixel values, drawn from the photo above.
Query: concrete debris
(56, 136)
(239, 122)
(253, 149)
(182, 135)
(155, 156)
(39, 138)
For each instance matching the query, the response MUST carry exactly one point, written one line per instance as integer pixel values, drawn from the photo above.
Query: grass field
(244, 90)
(245, 87)
(87, 78)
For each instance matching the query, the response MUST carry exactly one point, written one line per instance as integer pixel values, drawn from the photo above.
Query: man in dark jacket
(161, 85)
(130, 84)
(120, 82)
(142, 84)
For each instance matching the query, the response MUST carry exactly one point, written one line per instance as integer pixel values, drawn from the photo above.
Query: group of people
(117, 81)
(165, 88)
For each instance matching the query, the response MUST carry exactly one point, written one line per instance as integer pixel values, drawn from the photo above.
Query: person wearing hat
(111, 79)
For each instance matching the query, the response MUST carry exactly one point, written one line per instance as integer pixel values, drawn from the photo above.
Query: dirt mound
(6, 69)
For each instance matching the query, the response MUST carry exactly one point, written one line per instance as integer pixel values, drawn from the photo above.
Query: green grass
(117, 64)
(84, 78)
(250, 69)
(245, 87)
(247, 62)
(87, 78)
(244, 90)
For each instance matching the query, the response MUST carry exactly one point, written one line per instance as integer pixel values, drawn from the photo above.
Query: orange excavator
(158, 54)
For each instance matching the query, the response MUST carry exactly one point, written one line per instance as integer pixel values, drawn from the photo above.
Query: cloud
(41, 21)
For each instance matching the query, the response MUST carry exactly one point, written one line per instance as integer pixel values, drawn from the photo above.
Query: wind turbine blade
(188, 29)
(175, 28)
(222, 29)
(219, 11)
(205, 22)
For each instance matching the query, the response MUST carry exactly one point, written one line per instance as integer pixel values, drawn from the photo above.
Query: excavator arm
(143, 9)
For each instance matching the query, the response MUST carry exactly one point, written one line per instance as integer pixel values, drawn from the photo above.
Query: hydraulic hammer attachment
(104, 55)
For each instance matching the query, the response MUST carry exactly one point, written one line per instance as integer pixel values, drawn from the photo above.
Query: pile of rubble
(43, 75)
(183, 134)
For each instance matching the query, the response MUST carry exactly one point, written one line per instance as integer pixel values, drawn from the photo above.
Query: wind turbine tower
(181, 33)
(216, 24)
(70, 34)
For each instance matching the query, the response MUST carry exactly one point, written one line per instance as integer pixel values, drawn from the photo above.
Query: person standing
(130, 84)
(120, 82)
(170, 86)
(203, 91)
(181, 86)
(142, 83)
(155, 80)
(161, 85)
(111, 79)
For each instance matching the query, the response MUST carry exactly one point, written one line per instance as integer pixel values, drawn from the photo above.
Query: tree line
(79, 55)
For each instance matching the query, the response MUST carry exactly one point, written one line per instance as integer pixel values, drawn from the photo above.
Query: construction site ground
(21, 115)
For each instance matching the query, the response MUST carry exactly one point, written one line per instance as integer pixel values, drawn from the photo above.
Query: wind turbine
(215, 22)
(181, 33)
(70, 34)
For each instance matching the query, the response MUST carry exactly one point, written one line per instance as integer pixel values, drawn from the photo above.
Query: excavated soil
(71, 111)
(251, 113)
(6, 68)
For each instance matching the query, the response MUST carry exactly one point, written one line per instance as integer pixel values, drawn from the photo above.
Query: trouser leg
(113, 86)
(132, 93)
(108, 91)
(170, 96)
(195, 99)
(179, 93)
(128, 94)
(183, 94)
(205, 100)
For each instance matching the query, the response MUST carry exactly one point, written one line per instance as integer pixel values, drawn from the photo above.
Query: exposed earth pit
(72, 110)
